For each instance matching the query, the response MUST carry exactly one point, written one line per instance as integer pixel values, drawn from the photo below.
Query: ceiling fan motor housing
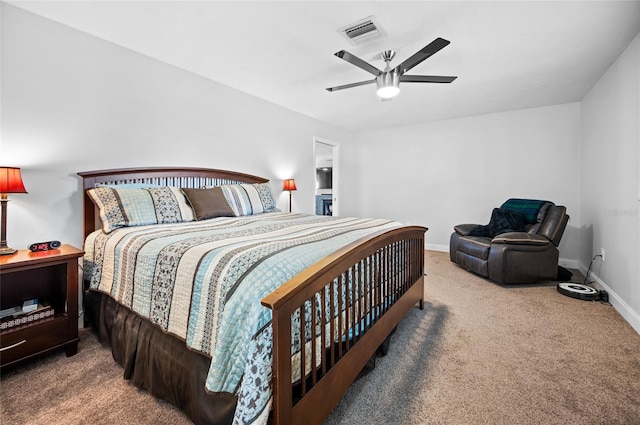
(388, 84)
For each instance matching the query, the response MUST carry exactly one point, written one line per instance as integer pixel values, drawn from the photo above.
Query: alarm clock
(44, 246)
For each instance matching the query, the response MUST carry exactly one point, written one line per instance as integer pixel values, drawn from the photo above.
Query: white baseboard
(570, 264)
(630, 315)
(435, 247)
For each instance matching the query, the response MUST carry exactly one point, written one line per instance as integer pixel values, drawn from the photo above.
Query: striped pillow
(249, 199)
(125, 207)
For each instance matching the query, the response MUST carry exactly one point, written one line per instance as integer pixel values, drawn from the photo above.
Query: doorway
(326, 176)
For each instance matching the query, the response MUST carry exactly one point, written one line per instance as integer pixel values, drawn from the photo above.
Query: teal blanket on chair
(528, 207)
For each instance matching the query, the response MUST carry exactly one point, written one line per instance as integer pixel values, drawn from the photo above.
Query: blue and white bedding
(203, 282)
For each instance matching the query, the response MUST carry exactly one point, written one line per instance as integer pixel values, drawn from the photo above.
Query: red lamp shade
(289, 184)
(11, 180)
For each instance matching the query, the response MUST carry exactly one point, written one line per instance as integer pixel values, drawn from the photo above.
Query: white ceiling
(507, 55)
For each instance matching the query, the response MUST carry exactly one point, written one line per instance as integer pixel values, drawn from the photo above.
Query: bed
(245, 316)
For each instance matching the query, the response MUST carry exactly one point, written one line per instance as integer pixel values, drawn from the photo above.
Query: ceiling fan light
(388, 85)
(388, 92)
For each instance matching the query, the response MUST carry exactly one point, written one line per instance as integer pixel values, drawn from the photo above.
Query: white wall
(72, 102)
(610, 179)
(450, 172)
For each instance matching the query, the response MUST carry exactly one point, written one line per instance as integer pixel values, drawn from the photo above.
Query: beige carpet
(479, 353)
(489, 354)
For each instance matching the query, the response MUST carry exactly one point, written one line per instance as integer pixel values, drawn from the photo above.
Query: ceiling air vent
(363, 31)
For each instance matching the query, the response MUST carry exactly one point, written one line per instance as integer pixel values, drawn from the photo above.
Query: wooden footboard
(335, 315)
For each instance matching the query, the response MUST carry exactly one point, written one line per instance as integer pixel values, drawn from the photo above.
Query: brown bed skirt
(158, 362)
(161, 364)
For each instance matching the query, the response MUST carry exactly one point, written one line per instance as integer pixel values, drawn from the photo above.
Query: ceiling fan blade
(426, 79)
(354, 60)
(348, 86)
(424, 53)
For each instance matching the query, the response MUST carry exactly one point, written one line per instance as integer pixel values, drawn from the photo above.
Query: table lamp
(290, 185)
(10, 182)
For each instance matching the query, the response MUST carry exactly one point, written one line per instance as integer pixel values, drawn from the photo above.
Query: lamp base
(5, 250)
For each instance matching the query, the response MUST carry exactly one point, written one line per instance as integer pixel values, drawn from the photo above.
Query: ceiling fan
(389, 80)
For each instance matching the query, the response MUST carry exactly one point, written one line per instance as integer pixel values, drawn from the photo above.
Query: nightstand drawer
(33, 339)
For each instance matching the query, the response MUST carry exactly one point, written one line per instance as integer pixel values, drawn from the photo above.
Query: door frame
(335, 172)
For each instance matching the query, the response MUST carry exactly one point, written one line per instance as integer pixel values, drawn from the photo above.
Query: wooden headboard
(163, 176)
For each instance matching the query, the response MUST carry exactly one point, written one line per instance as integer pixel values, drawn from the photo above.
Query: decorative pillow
(249, 199)
(208, 203)
(125, 207)
(266, 197)
(170, 204)
(502, 221)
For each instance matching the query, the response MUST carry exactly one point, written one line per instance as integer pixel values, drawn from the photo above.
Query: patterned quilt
(203, 282)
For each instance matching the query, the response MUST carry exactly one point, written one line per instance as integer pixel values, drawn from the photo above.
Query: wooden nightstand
(47, 275)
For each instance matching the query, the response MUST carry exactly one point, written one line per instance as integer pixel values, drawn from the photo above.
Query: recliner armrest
(463, 229)
(520, 238)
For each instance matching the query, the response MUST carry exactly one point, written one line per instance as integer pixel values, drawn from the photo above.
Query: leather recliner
(513, 257)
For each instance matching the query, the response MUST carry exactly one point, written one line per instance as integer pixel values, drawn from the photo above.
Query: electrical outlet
(602, 254)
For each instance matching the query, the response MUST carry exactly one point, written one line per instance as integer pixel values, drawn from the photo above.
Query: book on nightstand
(30, 305)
